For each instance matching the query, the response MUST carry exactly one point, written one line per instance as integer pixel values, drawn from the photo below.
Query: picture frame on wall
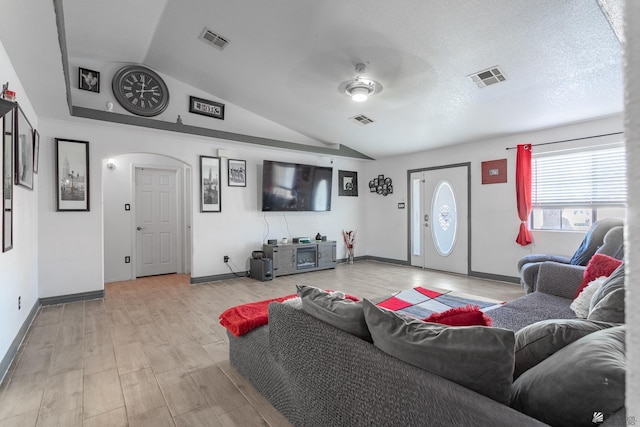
(8, 144)
(237, 173)
(206, 107)
(347, 183)
(24, 151)
(89, 80)
(210, 194)
(36, 150)
(72, 175)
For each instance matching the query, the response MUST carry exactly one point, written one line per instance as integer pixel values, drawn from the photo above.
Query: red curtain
(523, 192)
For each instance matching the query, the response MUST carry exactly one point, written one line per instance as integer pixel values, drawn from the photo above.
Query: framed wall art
(347, 183)
(24, 152)
(210, 196)
(89, 80)
(72, 175)
(494, 171)
(206, 108)
(36, 150)
(8, 130)
(237, 173)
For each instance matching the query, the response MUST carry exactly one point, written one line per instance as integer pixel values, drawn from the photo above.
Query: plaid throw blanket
(422, 302)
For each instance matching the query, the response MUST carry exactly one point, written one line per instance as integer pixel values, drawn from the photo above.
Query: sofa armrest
(561, 280)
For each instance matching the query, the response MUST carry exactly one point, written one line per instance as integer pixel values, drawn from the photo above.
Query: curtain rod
(569, 140)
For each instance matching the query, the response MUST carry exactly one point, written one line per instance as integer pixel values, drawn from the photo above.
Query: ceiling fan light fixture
(359, 93)
(360, 89)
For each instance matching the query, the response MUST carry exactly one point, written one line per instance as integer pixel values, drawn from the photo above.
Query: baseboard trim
(15, 345)
(496, 277)
(217, 277)
(63, 299)
(385, 260)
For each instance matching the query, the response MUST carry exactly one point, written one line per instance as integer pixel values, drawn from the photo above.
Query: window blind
(583, 178)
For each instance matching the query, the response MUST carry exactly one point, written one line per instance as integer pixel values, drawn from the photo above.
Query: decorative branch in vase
(349, 238)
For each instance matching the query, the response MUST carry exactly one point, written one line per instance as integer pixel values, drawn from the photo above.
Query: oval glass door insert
(444, 225)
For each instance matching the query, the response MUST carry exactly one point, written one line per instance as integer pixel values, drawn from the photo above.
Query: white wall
(632, 127)
(240, 228)
(494, 217)
(19, 266)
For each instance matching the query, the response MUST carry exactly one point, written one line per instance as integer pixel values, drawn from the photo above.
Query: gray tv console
(293, 258)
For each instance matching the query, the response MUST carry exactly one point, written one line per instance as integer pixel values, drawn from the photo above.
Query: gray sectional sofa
(318, 375)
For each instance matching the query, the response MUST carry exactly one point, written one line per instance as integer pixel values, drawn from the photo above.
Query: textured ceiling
(286, 59)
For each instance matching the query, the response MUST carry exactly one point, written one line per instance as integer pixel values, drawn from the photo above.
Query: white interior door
(156, 222)
(439, 219)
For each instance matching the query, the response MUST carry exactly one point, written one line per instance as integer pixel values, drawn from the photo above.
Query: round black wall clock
(140, 90)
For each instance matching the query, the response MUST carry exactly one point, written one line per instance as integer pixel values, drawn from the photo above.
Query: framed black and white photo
(72, 175)
(89, 80)
(347, 183)
(210, 197)
(237, 173)
(8, 125)
(36, 150)
(24, 152)
(206, 108)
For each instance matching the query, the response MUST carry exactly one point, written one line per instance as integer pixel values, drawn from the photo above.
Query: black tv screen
(290, 187)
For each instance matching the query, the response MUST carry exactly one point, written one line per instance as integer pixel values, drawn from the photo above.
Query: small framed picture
(72, 175)
(89, 80)
(210, 197)
(237, 173)
(347, 183)
(36, 150)
(206, 108)
(24, 152)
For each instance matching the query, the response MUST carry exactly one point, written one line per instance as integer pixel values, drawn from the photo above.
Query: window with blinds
(571, 190)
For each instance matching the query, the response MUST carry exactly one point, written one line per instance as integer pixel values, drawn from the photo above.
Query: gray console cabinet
(292, 258)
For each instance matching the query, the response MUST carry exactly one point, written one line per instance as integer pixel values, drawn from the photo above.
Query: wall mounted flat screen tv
(288, 187)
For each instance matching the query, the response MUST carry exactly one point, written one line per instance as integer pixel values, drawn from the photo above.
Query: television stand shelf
(293, 258)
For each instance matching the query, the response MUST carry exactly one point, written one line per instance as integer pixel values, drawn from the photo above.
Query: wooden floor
(151, 353)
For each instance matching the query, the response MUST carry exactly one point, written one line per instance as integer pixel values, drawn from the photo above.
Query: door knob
(139, 228)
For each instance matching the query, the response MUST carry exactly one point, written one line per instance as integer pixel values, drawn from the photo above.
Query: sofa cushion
(334, 309)
(536, 342)
(607, 304)
(476, 357)
(599, 265)
(569, 386)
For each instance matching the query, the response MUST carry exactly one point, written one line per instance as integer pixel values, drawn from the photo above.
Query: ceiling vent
(361, 119)
(213, 38)
(488, 77)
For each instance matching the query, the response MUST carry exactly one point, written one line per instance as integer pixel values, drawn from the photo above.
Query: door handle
(139, 228)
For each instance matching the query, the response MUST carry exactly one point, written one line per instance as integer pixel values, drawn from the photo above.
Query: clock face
(140, 90)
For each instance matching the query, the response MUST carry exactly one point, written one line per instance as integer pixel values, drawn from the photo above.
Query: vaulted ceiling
(286, 58)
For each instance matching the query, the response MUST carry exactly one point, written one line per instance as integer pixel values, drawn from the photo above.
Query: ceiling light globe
(359, 94)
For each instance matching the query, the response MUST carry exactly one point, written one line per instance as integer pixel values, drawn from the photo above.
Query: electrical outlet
(226, 258)
(127, 259)
(19, 303)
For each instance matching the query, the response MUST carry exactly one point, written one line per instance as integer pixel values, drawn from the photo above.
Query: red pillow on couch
(468, 315)
(599, 265)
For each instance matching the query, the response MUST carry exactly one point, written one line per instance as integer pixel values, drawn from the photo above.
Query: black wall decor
(381, 185)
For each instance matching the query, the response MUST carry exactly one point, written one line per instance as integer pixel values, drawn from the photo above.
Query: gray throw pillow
(536, 342)
(607, 304)
(578, 380)
(335, 310)
(477, 357)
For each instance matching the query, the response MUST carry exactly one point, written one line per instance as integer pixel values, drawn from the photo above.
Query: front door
(156, 222)
(439, 223)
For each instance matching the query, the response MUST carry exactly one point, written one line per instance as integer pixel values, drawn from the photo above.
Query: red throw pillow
(468, 315)
(599, 265)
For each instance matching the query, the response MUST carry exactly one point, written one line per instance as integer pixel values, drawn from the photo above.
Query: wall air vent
(488, 77)
(361, 119)
(213, 39)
